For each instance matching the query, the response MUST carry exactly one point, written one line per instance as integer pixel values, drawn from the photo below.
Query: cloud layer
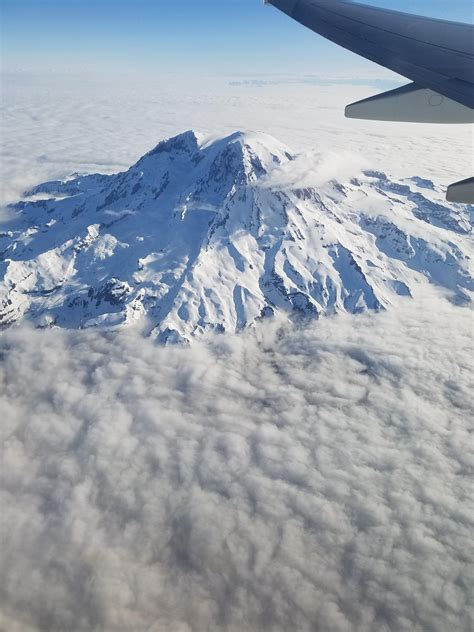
(281, 479)
(54, 125)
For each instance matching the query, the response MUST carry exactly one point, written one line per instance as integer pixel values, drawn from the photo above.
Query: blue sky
(177, 36)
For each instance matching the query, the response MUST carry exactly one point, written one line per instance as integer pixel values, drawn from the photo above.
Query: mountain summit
(214, 234)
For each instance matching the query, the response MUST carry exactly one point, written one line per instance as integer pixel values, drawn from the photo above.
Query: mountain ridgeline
(216, 234)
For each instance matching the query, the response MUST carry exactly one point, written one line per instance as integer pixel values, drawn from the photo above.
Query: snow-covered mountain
(218, 233)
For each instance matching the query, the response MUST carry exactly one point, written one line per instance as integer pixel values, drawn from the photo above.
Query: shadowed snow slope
(214, 234)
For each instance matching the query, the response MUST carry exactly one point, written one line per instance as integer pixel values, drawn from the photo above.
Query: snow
(282, 478)
(204, 234)
(55, 124)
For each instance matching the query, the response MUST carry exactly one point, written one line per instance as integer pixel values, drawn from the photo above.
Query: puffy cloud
(310, 169)
(312, 478)
(281, 479)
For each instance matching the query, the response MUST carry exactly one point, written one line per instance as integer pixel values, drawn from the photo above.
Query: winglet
(462, 192)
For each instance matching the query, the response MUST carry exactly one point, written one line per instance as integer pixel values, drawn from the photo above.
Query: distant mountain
(215, 235)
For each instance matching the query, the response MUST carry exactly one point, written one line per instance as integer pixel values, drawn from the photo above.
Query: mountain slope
(215, 234)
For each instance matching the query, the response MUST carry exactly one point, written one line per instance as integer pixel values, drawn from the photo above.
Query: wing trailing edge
(436, 55)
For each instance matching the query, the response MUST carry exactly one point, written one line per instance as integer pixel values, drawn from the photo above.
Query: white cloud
(276, 480)
(281, 479)
(53, 125)
(311, 169)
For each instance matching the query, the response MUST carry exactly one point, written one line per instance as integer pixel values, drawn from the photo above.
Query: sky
(310, 479)
(179, 36)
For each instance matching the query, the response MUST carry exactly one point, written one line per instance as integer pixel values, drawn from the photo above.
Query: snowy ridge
(215, 234)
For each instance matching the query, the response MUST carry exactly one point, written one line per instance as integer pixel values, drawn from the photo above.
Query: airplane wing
(436, 55)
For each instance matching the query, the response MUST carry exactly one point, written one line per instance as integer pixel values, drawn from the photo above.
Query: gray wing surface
(435, 54)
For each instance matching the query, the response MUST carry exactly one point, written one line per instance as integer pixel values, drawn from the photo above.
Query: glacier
(215, 234)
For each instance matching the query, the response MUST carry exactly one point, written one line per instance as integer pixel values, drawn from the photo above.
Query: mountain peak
(191, 238)
(190, 141)
(186, 142)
